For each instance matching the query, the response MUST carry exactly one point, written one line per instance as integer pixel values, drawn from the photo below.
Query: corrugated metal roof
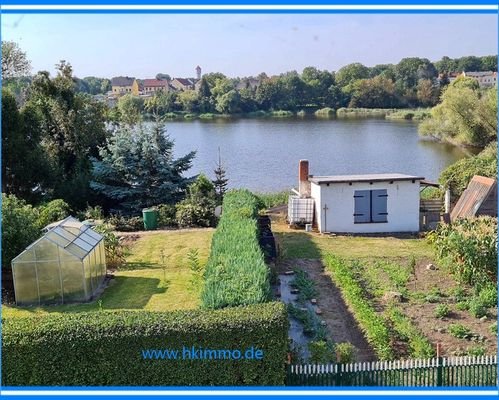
(472, 198)
(363, 178)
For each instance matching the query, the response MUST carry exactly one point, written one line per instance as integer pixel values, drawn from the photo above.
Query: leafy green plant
(166, 215)
(493, 328)
(53, 211)
(375, 329)
(476, 308)
(125, 224)
(195, 267)
(459, 331)
(305, 285)
(432, 298)
(462, 306)
(442, 311)
(488, 295)
(116, 251)
(198, 209)
(459, 294)
(345, 352)
(476, 351)
(321, 352)
(468, 248)
(305, 317)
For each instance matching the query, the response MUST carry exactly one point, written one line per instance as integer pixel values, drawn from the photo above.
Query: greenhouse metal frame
(67, 264)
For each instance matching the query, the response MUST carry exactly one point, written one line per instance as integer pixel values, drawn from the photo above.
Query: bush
(19, 227)
(236, 273)
(198, 209)
(116, 251)
(325, 112)
(488, 295)
(166, 215)
(305, 285)
(126, 224)
(52, 212)
(459, 331)
(345, 352)
(442, 311)
(462, 306)
(321, 352)
(458, 175)
(468, 248)
(106, 348)
(272, 199)
(374, 328)
(476, 308)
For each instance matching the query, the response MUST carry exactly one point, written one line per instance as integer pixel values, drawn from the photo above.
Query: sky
(142, 45)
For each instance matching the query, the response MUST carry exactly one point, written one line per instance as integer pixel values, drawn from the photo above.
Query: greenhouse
(67, 264)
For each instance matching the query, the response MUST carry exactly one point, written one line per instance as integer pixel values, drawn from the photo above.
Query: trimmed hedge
(236, 273)
(105, 348)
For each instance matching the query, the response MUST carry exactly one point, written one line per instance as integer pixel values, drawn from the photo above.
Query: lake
(262, 154)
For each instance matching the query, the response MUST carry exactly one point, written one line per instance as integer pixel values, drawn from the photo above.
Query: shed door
(379, 211)
(362, 208)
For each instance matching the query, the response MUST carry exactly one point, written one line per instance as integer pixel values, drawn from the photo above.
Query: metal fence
(436, 372)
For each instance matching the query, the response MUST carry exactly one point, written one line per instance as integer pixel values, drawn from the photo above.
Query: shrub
(19, 227)
(106, 348)
(442, 311)
(126, 224)
(198, 209)
(477, 308)
(345, 352)
(306, 318)
(166, 215)
(432, 298)
(374, 328)
(468, 248)
(116, 251)
(462, 306)
(459, 331)
(493, 328)
(52, 212)
(321, 352)
(272, 199)
(236, 273)
(305, 285)
(488, 295)
(459, 294)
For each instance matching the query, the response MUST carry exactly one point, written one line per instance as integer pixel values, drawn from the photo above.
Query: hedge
(105, 348)
(236, 273)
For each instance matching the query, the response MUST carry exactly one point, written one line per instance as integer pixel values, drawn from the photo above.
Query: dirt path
(339, 320)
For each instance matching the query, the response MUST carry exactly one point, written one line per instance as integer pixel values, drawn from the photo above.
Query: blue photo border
(257, 6)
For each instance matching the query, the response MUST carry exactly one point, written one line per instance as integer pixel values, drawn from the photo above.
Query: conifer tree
(220, 181)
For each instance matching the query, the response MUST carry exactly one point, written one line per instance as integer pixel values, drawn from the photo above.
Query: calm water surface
(263, 154)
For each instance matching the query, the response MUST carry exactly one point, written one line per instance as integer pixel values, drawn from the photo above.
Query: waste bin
(150, 216)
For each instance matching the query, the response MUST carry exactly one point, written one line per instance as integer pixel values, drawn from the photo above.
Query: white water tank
(300, 210)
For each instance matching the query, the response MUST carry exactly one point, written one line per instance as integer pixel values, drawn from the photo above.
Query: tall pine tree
(137, 169)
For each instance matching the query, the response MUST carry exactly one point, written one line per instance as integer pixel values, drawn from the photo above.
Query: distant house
(150, 86)
(184, 83)
(122, 85)
(372, 203)
(485, 79)
(479, 198)
(248, 83)
(137, 87)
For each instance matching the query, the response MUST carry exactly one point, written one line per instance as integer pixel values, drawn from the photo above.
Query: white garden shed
(371, 203)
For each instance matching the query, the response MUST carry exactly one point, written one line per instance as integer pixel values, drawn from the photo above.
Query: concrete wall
(402, 207)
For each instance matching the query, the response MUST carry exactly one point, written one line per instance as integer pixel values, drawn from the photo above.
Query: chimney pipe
(303, 183)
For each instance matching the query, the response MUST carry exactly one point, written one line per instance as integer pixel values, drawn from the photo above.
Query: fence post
(439, 365)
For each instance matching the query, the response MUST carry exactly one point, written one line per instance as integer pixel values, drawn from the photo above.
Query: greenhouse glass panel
(49, 282)
(93, 270)
(94, 234)
(45, 250)
(72, 281)
(82, 244)
(26, 288)
(88, 276)
(88, 239)
(76, 250)
(26, 256)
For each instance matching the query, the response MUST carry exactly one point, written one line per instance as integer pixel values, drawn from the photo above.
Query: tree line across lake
(60, 143)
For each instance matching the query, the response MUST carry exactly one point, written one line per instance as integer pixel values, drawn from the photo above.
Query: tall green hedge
(236, 273)
(105, 348)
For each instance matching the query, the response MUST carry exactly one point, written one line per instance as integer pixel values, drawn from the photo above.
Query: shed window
(370, 206)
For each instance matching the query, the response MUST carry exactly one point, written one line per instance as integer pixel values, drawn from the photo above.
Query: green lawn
(144, 283)
(301, 244)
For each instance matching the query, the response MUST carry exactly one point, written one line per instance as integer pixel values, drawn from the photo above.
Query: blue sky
(142, 45)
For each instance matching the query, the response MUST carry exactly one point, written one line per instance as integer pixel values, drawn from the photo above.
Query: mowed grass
(296, 243)
(144, 284)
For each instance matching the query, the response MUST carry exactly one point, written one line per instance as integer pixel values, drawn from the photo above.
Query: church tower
(198, 72)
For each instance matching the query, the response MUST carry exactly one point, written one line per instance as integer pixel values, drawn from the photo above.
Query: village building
(121, 85)
(485, 79)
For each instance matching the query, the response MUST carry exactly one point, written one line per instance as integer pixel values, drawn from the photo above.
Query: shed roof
(363, 178)
(71, 235)
(475, 194)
